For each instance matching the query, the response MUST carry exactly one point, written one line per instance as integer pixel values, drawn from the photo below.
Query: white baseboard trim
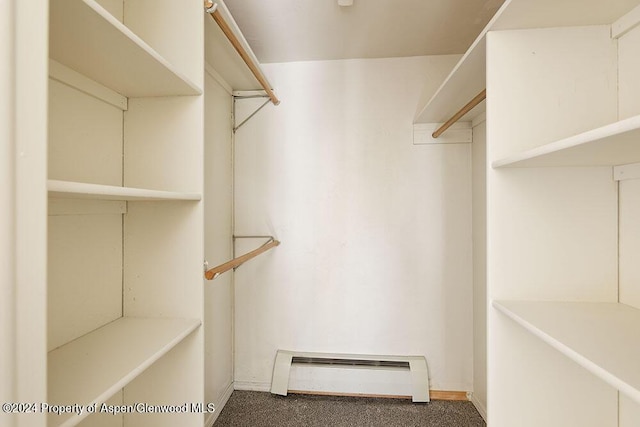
(482, 409)
(219, 405)
(252, 386)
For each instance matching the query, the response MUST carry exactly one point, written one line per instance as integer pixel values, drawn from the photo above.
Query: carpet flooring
(257, 409)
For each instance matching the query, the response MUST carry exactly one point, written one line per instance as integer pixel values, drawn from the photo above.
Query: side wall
(629, 105)
(218, 322)
(479, 197)
(376, 232)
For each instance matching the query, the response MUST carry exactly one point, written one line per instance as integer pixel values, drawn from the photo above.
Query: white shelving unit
(560, 116)
(601, 337)
(121, 349)
(468, 77)
(561, 327)
(125, 276)
(106, 302)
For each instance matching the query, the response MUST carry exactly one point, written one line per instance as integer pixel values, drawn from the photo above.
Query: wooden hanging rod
(464, 110)
(237, 262)
(209, 6)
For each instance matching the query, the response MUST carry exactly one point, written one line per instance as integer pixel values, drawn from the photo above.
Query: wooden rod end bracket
(210, 6)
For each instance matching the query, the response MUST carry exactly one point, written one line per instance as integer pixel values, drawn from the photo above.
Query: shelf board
(80, 190)
(610, 145)
(95, 366)
(88, 39)
(468, 77)
(224, 59)
(601, 337)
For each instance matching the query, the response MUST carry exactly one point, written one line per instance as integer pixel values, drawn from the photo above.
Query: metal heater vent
(350, 362)
(417, 366)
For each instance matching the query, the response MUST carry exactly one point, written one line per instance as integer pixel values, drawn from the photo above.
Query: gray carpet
(256, 409)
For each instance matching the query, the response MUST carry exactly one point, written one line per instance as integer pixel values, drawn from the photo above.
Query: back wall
(376, 231)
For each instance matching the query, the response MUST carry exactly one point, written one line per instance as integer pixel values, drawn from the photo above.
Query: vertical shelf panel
(85, 137)
(84, 274)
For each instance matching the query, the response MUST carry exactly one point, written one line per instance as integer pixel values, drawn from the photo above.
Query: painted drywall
(376, 232)
(629, 194)
(629, 68)
(80, 245)
(629, 88)
(7, 216)
(629, 412)
(479, 179)
(630, 242)
(114, 7)
(218, 322)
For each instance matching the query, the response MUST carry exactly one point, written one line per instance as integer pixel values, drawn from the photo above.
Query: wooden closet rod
(211, 8)
(464, 110)
(237, 262)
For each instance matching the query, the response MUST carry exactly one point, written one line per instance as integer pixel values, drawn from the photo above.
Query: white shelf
(610, 145)
(95, 366)
(601, 337)
(91, 41)
(223, 57)
(466, 80)
(468, 77)
(79, 190)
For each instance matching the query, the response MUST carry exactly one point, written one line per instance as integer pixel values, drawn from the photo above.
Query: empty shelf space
(601, 337)
(95, 366)
(610, 145)
(88, 39)
(75, 190)
(468, 77)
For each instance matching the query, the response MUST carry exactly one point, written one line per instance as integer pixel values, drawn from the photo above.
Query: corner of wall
(480, 406)
(219, 405)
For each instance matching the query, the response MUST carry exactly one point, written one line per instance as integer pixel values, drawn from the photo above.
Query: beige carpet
(256, 409)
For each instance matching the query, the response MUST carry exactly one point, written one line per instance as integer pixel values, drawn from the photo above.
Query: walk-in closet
(412, 201)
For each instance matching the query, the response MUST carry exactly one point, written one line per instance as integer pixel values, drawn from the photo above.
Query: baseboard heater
(417, 365)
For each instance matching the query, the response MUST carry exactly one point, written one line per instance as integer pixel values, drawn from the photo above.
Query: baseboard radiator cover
(415, 365)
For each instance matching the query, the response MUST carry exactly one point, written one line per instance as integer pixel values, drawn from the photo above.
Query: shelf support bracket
(250, 116)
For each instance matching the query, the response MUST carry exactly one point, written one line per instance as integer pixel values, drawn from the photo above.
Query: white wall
(629, 105)
(479, 167)
(629, 69)
(85, 145)
(218, 321)
(7, 219)
(376, 232)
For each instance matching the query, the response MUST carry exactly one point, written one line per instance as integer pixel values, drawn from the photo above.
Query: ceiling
(303, 30)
